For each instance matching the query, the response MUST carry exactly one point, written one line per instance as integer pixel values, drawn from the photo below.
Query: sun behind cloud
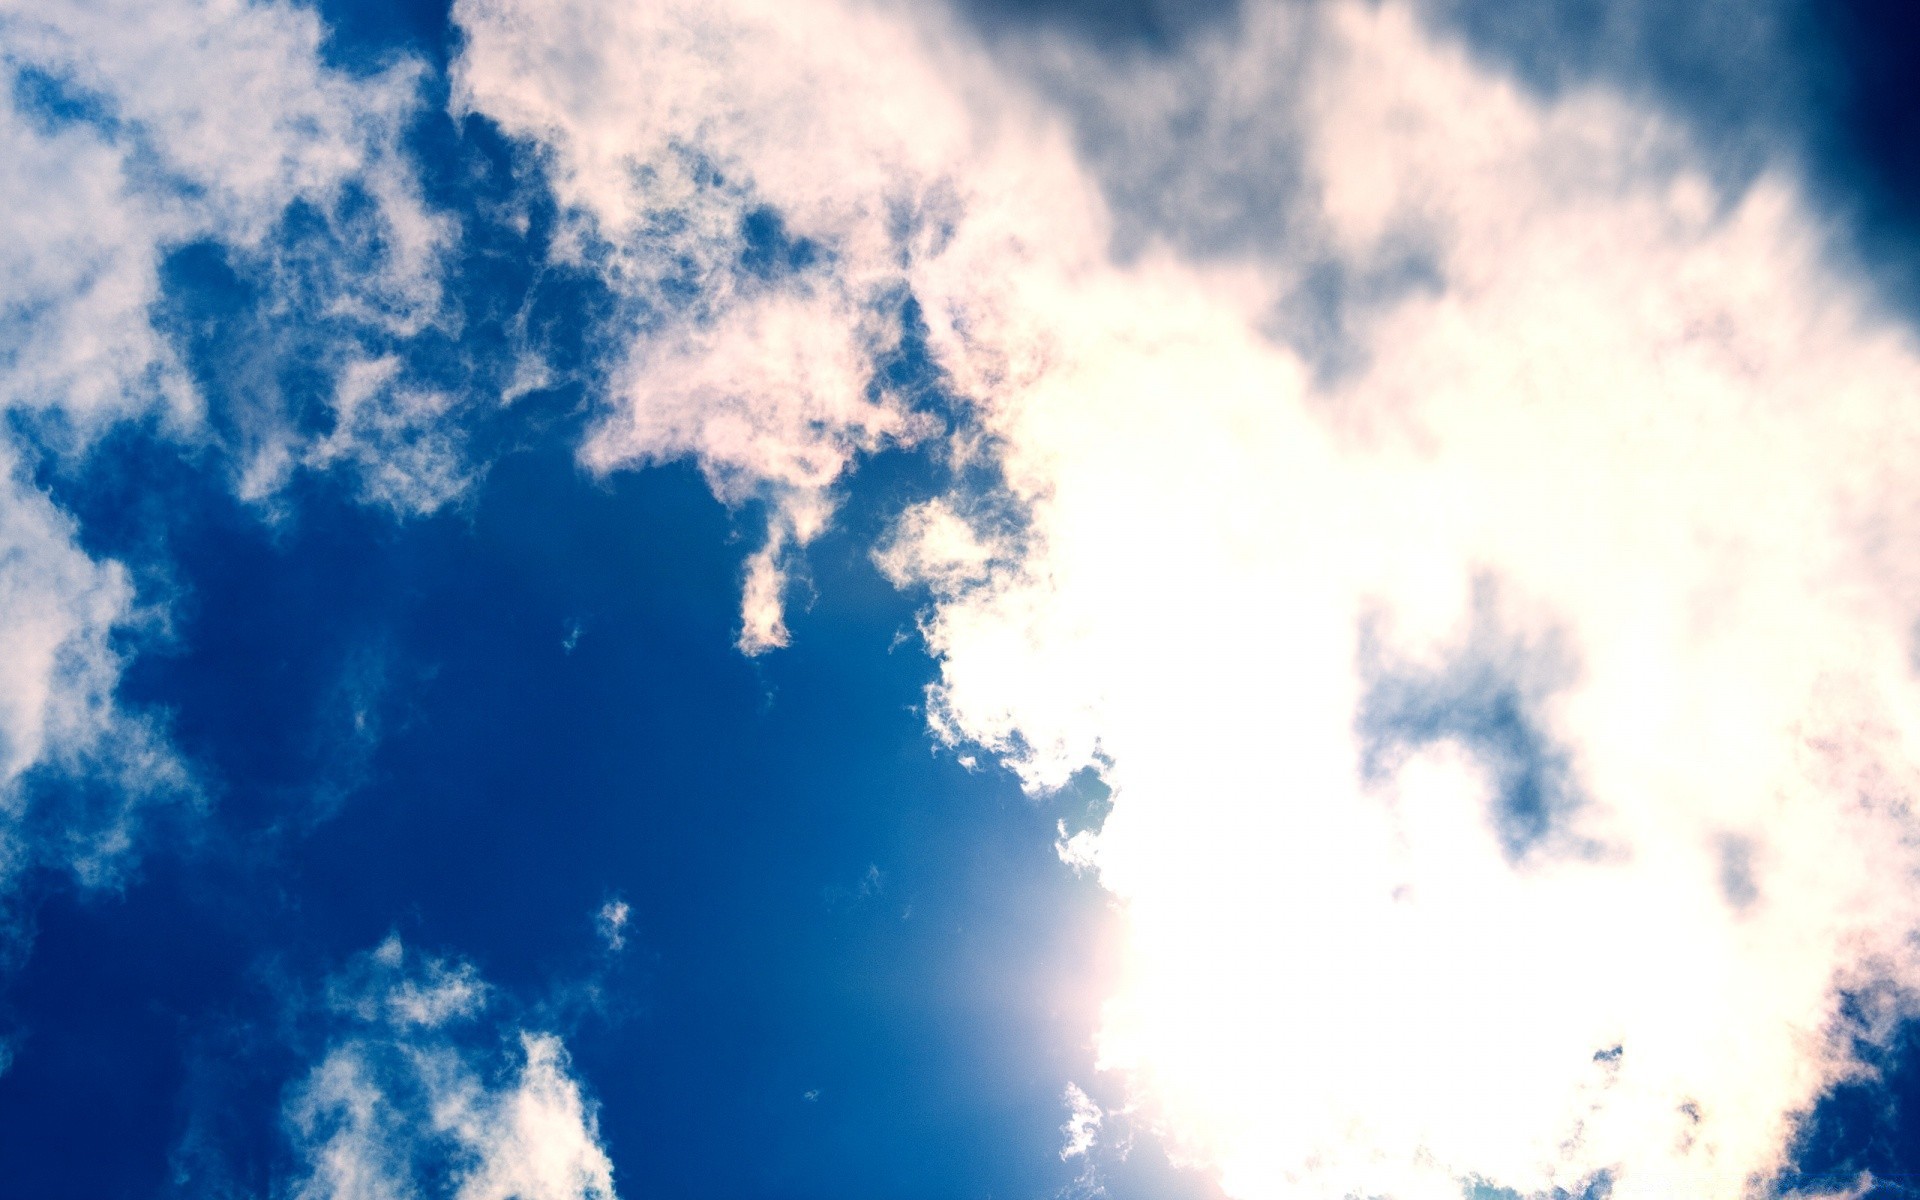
(1505, 694)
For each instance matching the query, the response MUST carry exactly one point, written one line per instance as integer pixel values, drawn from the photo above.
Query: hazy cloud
(611, 923)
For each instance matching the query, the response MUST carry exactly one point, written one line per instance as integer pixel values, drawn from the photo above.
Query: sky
(1233, 600)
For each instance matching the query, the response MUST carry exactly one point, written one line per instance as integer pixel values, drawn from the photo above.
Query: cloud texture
(1476, 548)
(132, 132)
(405, 1103)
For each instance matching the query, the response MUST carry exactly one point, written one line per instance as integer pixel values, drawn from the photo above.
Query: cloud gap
(1491, 694)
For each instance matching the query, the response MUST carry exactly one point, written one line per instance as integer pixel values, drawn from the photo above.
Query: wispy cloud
(611, 923)
(1083, 1123)
(61, 614)
(133, 132)
(406, 1100)
(761, 289)
(136, 129)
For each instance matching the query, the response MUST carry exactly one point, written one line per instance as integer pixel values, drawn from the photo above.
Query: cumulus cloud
(1487, 582)
(412, 1099)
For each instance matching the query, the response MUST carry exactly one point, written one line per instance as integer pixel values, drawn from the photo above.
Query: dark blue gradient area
(401, 739)
(853, 967)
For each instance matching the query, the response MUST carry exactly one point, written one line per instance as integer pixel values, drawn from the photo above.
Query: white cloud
(59, 611)
(611, 923)
(130, 130)
(408, 1102)
(1083, 1123)
(398, 438)
(77, 264)
(1512, 731)
(407, 991)
(671, 128)
(1669, 436)
(199, 119)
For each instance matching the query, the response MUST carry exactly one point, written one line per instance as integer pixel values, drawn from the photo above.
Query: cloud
(407, 1101)
(134, 132)
(135, 129)
(756, 249)
(1433, 696)
(611, 923)
(1482, 561)
(60, 614)
(1083, 1123)
(404, 448)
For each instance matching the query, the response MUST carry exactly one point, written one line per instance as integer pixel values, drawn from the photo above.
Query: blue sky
(885, 613)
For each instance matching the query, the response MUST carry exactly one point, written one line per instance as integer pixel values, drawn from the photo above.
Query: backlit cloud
(1502, 660)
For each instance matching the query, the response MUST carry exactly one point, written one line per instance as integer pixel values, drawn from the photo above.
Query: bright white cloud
(1512, 729)
(408, 1102)
(1083, 1123)
(1667, 438)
